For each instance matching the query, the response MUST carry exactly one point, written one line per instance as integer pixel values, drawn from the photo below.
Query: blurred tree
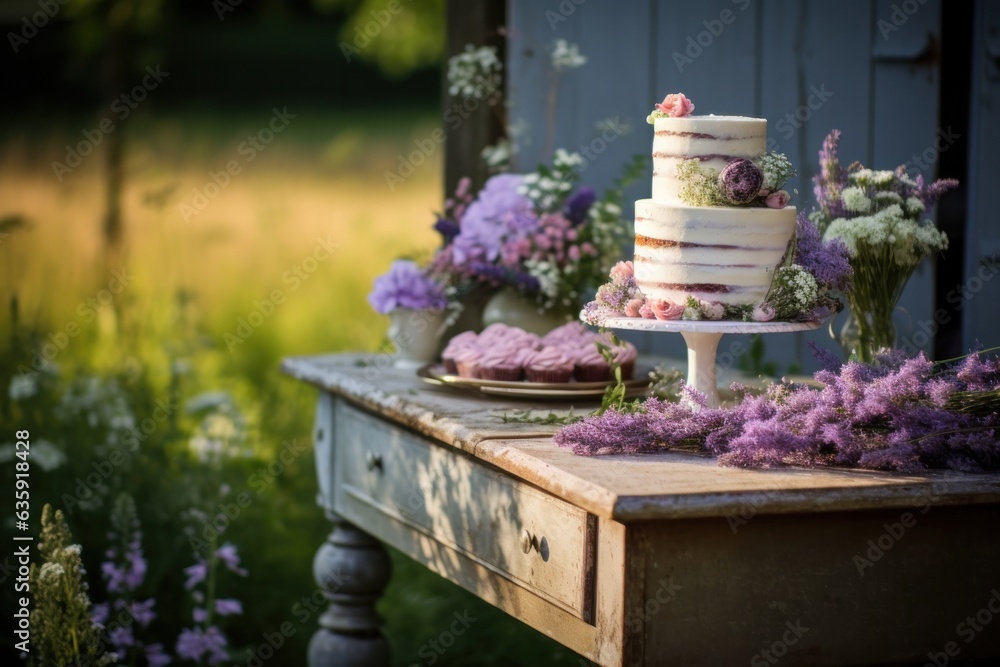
(118, 39)
(398, 36)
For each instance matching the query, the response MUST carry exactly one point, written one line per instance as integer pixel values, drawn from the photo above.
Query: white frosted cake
(724, 254)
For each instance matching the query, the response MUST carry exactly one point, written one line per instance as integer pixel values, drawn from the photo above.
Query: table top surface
(627, 488)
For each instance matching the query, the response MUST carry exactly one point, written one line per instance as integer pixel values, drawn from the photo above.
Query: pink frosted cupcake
(571, 332)
(467, 361)
(495, 333)
(502, 363)
(549, 364)
(625, 356)
(457, 343)
(590, 365)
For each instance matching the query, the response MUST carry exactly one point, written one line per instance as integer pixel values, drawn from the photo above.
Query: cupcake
(549, 364)
(502, 363)
(457, 343)
(571, 332)
(590, 365)
(494, 333)
(467, 361)
(625, 356)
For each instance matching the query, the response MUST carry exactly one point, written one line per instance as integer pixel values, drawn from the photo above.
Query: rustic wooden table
(647, 560)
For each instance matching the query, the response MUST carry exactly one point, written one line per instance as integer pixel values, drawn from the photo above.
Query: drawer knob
(373, 461)
(528, 541)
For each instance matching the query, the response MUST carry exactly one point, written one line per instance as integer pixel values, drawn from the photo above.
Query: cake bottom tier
(710, 253)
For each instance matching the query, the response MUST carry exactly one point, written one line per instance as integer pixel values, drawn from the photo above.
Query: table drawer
(540, 542)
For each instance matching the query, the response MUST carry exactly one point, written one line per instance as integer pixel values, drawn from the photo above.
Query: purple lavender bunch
(828, 261)
(740, 181)
(899, 413)
(124, 572)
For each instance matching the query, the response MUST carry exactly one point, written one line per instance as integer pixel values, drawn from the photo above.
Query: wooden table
(647, 560)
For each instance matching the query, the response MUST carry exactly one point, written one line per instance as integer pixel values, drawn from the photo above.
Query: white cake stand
(702, 338)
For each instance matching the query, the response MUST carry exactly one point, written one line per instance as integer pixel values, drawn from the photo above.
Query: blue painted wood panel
(981, 303)
(807, 66)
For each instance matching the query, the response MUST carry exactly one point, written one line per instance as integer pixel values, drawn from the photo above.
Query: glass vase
(865, 333)
(513, 308)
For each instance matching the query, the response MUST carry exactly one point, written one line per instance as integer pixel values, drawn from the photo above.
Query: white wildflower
(915, 206)
(566, 56)
(883, 177)
(50, 572)
(22, 386)
(497, 156)
(475, 73)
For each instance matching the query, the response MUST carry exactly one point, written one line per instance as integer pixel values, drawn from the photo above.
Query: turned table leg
(353, 569)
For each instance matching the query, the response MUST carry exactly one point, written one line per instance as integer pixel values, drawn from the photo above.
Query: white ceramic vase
(416, 334)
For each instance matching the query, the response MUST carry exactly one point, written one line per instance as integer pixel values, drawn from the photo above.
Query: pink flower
(646, 312)
(634, 307)
(666, 310)
(763, 312)
(777, 199)
(622, 271)
(588, 249)
(676, 105)
(574, 253)
(712, 310)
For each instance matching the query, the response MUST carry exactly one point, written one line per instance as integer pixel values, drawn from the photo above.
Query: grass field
(190, 284)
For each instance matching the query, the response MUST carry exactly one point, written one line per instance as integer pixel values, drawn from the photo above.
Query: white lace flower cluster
(547, 187)
(909, 239)
(793, 291)
(475, 73)
(566, 56)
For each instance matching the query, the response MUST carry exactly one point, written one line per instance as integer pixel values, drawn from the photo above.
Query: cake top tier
(712, 160)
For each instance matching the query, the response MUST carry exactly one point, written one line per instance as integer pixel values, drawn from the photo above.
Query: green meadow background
(167, 338)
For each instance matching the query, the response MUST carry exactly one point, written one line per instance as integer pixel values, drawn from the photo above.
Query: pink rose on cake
(763, 312)
(634, 307)
(676, 105)
(665, 310)
(712, 310)
(777, 199)
(622, 271)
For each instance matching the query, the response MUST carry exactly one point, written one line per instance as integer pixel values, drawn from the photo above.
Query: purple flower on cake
(676, 105)
(740, 181)
(777, 199)
(405, 286)
(665, 310)
(763, 312)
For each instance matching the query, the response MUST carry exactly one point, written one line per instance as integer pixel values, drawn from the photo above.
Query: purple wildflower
(143, 612)
(195, 574)
(227, 554)
(199, 615)
(228, 607)
(497, 214)
(447, 229)
(405, 285)
(121, 637)
(740, 181)
(193, 644)
(156, 657)
(579, 203)
(99, 613)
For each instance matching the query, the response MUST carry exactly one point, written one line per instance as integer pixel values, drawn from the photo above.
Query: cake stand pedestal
(702, 339)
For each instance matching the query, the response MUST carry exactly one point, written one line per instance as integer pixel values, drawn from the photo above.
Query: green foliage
(63, 634)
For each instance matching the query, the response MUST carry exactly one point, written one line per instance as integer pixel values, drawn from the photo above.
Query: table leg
(352, 568)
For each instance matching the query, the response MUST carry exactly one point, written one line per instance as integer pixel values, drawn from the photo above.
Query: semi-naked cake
(724, 254)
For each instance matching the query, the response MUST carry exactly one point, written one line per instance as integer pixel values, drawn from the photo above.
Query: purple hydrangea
(447, 229)
(497, 214)
(405, 286)
(740, 181)
(579, 203)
